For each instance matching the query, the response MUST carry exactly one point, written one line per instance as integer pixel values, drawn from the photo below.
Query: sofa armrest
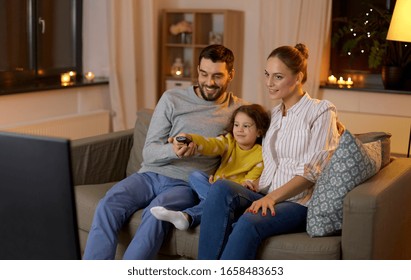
(101, 159)
(377, 215)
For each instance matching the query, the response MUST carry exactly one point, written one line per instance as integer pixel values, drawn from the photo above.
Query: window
(39, 39)
(353, 57)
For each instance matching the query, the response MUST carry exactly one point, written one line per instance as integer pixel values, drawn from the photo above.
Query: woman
(302, 135)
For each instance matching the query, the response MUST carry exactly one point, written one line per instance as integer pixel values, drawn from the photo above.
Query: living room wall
(96, 54)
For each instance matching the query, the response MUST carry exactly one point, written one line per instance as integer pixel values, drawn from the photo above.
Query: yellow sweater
(236, 164)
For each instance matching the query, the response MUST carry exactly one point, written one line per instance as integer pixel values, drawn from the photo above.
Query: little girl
(241, 161)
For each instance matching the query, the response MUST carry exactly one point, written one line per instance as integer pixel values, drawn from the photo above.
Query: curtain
(120, 52)
(288, 22)
(132, 48)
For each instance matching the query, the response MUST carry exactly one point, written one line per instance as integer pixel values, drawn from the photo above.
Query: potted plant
(366, 34)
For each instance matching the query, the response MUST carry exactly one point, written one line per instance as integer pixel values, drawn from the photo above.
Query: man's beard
(214, 97)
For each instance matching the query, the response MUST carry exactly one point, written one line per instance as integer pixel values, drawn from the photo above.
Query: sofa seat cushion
(296, 246)
(87, 198)
(300, 246)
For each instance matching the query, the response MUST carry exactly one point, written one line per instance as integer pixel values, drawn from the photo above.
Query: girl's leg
(198, 180)
(199, 183)
(251, 229)
(226, 202)
(177, 218)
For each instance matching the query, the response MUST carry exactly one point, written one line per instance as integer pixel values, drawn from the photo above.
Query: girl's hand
(251, 185)
(266, 204)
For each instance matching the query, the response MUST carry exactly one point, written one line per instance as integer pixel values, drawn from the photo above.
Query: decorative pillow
(350, 165)
(385, 139)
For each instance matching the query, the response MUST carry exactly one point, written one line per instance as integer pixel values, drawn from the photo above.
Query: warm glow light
(89, 76)
(332, 79)
(349, 82)
(65, 78)
(400, 25)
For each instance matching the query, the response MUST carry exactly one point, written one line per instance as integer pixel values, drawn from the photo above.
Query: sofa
(376, 213)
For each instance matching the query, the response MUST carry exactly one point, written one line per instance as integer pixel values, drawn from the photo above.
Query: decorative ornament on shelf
(177, 69)
(215, 38)
(183, 28)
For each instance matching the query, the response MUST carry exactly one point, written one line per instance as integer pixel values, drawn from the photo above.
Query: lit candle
(341, 81)
(72, 75)
(89, 76)
(349, 82)
(332, 79)
(65, 78)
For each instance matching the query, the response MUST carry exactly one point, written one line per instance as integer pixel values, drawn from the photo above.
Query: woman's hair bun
(302, 49)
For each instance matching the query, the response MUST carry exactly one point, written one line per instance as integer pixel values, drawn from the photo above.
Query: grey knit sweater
(181, 110)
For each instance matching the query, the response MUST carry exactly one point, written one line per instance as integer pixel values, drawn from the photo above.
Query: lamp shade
(400, 26)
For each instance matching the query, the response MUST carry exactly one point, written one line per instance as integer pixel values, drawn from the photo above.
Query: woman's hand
(183, 149)
(266, 203)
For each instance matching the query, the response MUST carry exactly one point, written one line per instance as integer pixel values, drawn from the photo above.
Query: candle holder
(65, 79)
(332, 80)
(72, 75)
(177, 69)
(89, 76)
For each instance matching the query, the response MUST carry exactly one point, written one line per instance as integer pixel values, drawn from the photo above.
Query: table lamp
(400, 24)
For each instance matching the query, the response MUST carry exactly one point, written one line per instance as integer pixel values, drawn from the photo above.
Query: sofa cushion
(87, 198)
(299, 246)
(140, 133)
(385, 139)
(350, 165)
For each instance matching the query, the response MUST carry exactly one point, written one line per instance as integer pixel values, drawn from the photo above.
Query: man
(162, 180)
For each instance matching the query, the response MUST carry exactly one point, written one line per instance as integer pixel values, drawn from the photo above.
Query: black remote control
(183, 139)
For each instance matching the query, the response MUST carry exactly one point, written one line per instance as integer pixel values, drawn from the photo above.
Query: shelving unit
(225, 26)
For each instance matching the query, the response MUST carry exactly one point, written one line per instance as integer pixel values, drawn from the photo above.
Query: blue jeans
(199, 183)
(228, 233)
(140, 190)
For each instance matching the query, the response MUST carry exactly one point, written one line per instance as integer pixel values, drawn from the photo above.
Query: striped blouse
(299, 143)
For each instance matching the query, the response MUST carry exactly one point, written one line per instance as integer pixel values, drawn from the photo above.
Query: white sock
(177, 218)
